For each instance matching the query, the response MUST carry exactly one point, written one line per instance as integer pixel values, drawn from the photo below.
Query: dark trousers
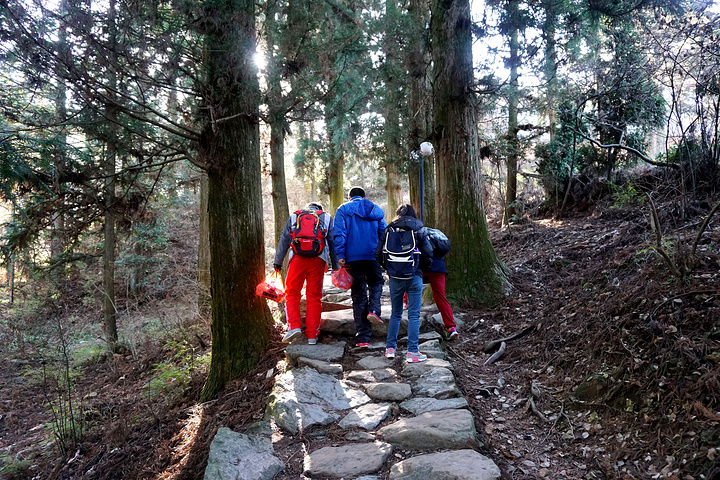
(365, 293)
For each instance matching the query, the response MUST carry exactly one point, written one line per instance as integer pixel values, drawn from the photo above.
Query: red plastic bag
(271, 288)
(341, 278)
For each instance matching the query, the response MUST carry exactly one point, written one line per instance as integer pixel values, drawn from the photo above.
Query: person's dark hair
(405, 210)
(314, 206)
(356, 192)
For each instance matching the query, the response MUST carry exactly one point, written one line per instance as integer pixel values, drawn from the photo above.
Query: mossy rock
(593, 388)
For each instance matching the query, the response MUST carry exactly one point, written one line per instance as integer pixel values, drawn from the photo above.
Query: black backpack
(400, 253)
(439, 242)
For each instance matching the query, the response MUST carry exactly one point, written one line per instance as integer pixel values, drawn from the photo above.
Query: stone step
(441, 429)
(378, 405)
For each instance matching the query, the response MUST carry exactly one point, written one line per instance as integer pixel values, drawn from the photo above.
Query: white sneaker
(389, 353)
(312, 341)
(291, 335)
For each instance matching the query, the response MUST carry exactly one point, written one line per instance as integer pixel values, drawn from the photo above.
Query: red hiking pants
(300, 271)
(437, 282)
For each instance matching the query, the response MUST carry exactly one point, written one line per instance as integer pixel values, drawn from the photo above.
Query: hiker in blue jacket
(358, 225)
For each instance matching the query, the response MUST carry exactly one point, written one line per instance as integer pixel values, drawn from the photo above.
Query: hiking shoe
(291, 335)
(415, 357)
(389, 353)
(312, 341)
(452, 333)
(362, 345)
(374, 318)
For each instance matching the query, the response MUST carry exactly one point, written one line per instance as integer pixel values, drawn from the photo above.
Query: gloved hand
(277, 267)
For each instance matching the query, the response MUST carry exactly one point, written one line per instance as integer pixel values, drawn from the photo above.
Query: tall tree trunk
(393, 188)
(513, 101)
(477, 276)
(281, 209)
(204, 249)
(109, 310)
(391, 102)
(337, 160)
(418, 62)
(550, 67)
(11, 261)
(230, 148)
(276, 105)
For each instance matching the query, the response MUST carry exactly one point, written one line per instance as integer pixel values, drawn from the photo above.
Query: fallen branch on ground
(495, 356)
(494, 344)
(533, 407)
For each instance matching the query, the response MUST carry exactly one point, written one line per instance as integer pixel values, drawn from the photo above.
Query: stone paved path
(384, 406)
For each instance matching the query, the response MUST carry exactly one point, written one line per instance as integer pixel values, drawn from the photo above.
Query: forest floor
(618, 376)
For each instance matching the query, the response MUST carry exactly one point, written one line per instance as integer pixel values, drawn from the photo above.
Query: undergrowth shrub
(13, 468)
(173, 378)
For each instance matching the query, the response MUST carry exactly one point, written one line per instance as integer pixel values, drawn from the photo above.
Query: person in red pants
(435, 276)
(308, 235)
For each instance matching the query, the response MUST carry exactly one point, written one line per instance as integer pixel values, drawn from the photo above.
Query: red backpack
(308, 234)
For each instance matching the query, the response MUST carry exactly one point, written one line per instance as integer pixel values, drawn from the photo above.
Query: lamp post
(426, 149)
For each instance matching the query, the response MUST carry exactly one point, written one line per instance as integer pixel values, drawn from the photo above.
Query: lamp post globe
(426, 148)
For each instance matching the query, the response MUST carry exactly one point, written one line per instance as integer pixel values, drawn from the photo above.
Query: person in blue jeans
(358, 225)
(410, 281)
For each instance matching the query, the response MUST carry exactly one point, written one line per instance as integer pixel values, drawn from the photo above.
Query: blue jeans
(398, 288)
(365, 292)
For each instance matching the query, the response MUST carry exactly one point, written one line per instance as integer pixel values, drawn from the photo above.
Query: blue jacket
(358, 225)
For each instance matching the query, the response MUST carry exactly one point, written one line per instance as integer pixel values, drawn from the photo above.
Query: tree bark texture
(204, 249)
(230, 148)
(281, 208)
(336, 177)
(477, 276)
(393, 188)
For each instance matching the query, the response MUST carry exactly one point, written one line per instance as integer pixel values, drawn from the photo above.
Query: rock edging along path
(395, 420)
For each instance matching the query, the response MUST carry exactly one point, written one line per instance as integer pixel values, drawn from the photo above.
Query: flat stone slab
(357, 436)
(338, 322)
(438, 383)
(433, 344)
(455, 465)
(372, 362)
(371, 376)
(241, 457)
(366, 416)
(433, 335)
(432, 431)
(417, 369)
(436, 320)
(326, 352)
(303, 397)
(320, 365)
(393, 392)
(439, 354)
(348, 461)
(420, 405)
(340, 297)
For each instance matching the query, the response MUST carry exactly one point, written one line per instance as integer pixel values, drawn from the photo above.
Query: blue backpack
(439, 242)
